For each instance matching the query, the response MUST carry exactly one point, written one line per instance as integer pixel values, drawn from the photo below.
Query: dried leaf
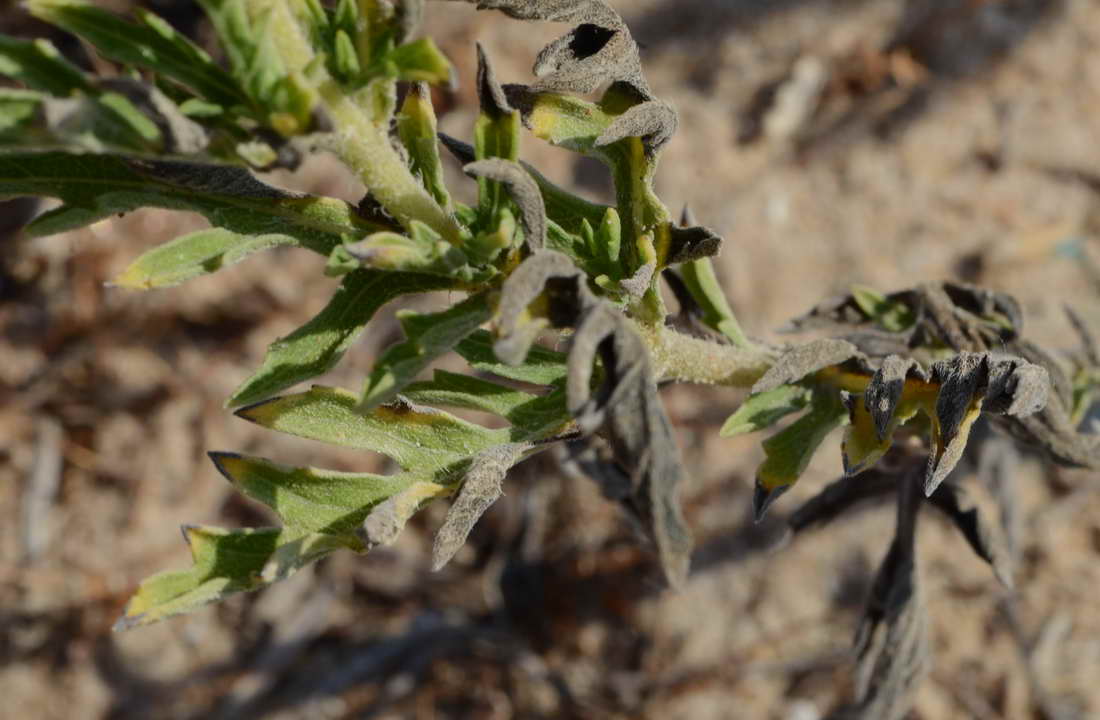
(628, 411)
(625, 409)
(387, 519)
(803, 360)
(967, 382)
(886, 388)
(481, 487)
(982, 529)
(891, 667)
(653, 121)
(687, 244)
(524, 192)
(598, 51)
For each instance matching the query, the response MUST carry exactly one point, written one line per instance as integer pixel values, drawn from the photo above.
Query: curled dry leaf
(804, 360)
(967, 382)
(982, 529)
(481, 487)
(892, 663)
(653, 121)
(489, 92)
(524, 192)
(598, 51)
(691, 243)
(625, 409)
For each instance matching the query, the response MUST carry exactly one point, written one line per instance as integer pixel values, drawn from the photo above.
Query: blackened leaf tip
(490, 93)
(762, 499)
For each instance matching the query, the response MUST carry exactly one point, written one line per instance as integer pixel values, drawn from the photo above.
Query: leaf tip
(225, 462)
(762, 499)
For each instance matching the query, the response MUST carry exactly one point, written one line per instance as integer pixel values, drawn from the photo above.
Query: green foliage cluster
(175, 129)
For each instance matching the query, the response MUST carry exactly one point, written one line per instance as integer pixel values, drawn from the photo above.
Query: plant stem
(363, 145)
(367, 150)
(686, 359)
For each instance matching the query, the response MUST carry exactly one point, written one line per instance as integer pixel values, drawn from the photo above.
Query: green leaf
(18, 112)
(471, 393)
(421, 61)
(427, 338)
(224, 562)
(422, 250)
(789, 451)
(416, 438)
(38, 65)
(94, 187)
(533, 417)
(153, 44)
(416, 128)
(197, 253)
(765, 409)
(702, 283)
(311, 500)
(892, 315)
(318, 345)
(542, 366)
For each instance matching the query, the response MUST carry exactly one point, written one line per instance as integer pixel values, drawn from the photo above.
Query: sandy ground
(950, 139)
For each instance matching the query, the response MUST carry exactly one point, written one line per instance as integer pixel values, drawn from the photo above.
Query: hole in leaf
(588, 40)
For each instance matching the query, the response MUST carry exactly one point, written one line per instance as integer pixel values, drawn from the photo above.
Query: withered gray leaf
(598, 51)
(523, 190)
(489, 92)
(885, 389)
(981, 528)
(968, 381)
(692, 243)
(892, 663)
(481, 487)
(637, 284)
(654, 121)
(803, 360)
(625, 409)
(547, 270)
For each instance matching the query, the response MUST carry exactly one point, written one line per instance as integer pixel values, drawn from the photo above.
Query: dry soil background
(871, 141)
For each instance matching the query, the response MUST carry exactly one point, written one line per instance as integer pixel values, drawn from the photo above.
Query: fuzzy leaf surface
(94, 187)
(194, 254)
(318, 345)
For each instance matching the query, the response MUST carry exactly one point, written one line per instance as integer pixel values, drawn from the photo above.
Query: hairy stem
(686, 359)
(362, 144)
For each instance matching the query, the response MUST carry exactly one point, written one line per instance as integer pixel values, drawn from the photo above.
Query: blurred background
(830, 142)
